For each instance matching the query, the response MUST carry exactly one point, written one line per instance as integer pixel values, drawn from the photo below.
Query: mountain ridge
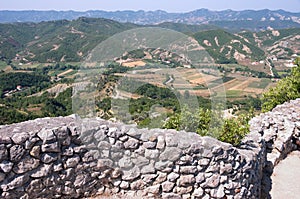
(199, 16)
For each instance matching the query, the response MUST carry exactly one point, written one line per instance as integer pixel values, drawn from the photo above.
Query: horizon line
(141, 10)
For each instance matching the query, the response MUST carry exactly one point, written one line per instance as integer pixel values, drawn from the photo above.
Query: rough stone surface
(66, 158)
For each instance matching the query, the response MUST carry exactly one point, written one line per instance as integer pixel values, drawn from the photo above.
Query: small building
(19, 87)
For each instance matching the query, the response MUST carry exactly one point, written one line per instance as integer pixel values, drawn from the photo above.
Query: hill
(70, 41)
(227, 48)
(56, 41)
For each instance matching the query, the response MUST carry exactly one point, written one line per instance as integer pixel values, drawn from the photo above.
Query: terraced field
(198, 83)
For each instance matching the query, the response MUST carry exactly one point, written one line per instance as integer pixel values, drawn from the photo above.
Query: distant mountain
(71, 41)
(247, 19)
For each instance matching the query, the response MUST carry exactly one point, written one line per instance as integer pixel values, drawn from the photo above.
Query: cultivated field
(234, 86)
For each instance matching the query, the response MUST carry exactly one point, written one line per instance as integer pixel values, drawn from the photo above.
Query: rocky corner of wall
(280, 130)
(67, 157)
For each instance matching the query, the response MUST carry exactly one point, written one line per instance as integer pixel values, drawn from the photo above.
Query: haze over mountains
(246, 19)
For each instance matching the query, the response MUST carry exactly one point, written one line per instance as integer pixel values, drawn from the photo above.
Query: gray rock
(204, 161)
(125, 162)
(137, 185)
(112, 141)
(170, 196)
(91, 155)
(116, 173)
(116, 183)
(42, 171)
(20, 138)
(116, 155)
(104, 163)
(151, 153)
(213, 168)
(3, 152)
(114, 132)
(5, 140)
(186, 196)
(52, 147)
(212, 182)
(198, 192)
(100, 136)
(225, 168)
(49, 157)
(80, 180)
(67, 151)
(31, 142)
(171, 154)
(186, 180)
(133, 132)
(124, 138)
(105, 153)
(155, 189)
(160, 178)
(131, 174)
(47, 136)
(186, 160)
(161, 165)
(131, 144)
(16, 153)
(148, 178)
(223, 179)
(200, 178)
(62, 133)
(2, 176)
(140, 161)
(148, 169)
(68, 190)
(171, 140)
(149, 145)
(73, 161)
(167, 186)
(103, 145)
(68, 175)
(26, 164)
(160, 142)
(58, 167)
(173, 177)
(6, 166)
(220, 192)
(124, 185)
(16, 182)
(183, 190)
(188, 169)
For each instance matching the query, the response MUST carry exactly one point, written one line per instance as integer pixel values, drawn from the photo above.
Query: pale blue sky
(167, 5)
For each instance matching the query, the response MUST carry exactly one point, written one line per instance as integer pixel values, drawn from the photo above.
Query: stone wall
(70, 158)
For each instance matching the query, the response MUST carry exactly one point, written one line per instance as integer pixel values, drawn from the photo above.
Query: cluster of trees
(210, 122)
(286, 89)
(17, 108)
(9, 81)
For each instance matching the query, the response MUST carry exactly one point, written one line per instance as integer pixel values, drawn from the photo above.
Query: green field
(2, 65)
(263, 83)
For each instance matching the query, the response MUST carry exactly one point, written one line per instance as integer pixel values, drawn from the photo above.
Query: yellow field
(133, 64)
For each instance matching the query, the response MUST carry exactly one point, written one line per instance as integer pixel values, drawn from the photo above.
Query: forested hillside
(70, 41)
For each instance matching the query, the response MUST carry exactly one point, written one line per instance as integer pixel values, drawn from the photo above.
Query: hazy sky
(167, 5)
